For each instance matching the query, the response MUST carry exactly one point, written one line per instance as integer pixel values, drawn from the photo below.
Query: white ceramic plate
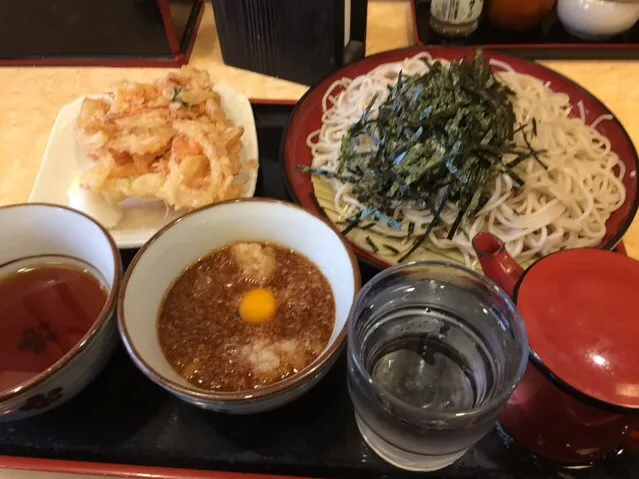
(63, 160)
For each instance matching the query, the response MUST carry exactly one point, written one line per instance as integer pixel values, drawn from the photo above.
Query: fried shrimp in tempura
(169, 140)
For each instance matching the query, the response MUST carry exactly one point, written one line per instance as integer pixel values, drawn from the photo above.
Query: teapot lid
(581, 310)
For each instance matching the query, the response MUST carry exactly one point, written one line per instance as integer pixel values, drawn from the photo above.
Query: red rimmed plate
(306, 118)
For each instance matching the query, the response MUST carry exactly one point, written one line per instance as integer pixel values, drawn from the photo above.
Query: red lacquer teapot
(578, 401)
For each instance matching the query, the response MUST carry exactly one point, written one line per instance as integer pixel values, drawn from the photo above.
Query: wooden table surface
(32, 96)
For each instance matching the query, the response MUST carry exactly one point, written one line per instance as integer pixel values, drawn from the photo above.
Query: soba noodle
(565, 206)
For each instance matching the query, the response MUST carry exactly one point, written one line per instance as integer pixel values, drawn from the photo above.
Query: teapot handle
(631, 441)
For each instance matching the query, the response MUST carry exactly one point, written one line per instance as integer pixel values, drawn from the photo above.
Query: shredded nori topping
(439, 137)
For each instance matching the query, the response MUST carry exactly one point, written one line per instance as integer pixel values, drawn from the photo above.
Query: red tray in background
(549, 41)
(115, 33)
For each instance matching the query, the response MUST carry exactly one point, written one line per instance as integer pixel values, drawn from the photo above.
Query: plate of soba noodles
(411, 153)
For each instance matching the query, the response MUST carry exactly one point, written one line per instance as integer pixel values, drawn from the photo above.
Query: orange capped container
(517, 14)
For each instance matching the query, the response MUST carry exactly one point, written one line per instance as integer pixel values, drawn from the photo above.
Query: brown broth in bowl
(245, 316)
(46, 308)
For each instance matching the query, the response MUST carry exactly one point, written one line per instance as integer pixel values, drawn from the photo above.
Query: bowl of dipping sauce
(239, 307)
(59, 276)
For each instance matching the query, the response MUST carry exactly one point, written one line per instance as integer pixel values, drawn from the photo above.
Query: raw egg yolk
(257, 306)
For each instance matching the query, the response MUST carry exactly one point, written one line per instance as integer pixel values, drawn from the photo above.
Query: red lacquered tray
(47, 467)
(124, 418)
(549, 41)
(116, 33)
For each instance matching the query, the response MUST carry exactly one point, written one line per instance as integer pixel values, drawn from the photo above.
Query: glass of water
(434, 352)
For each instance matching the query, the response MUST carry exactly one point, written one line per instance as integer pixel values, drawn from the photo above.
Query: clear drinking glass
(434, 352)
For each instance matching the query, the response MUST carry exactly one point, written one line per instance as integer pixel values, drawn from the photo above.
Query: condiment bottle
(455, 18)
(519, 15)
